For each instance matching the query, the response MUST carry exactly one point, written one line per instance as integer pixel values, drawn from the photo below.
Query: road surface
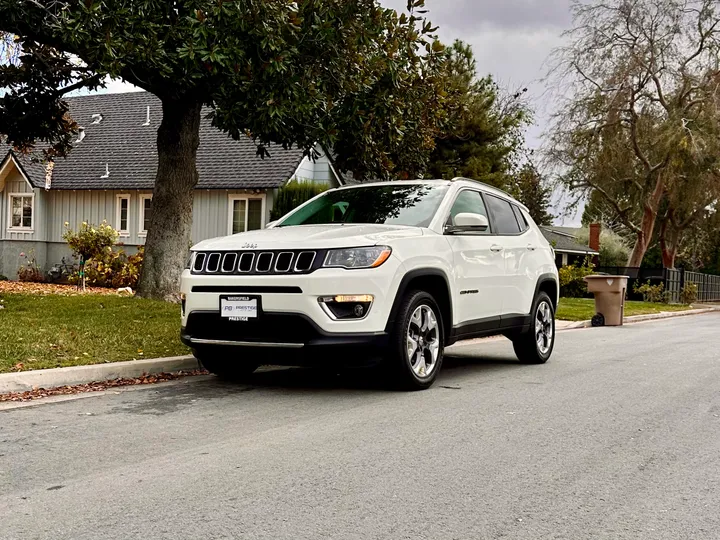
(618, 436)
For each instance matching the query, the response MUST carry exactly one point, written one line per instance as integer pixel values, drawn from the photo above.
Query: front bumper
(291, 317)
(301, 341)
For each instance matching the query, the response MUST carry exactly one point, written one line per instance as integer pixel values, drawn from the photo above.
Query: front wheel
(536, 345)
(218, 363)
(416, 353)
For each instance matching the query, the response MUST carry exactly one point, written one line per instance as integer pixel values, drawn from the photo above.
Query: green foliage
(29, 270)
(483, 133)
(3, 277)
(113, 268)
(90, 241)
(652, 293)
(292, 195)
(614, 250)
(530, 188)
(350, 75)
(689, 294)
(572, 284)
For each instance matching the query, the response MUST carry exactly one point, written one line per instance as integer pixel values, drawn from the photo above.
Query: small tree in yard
(89, 242)
(349, 75)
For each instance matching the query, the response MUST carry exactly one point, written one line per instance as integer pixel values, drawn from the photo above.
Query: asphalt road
(618, 436)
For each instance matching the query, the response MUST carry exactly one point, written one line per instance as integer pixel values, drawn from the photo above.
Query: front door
(479, 270)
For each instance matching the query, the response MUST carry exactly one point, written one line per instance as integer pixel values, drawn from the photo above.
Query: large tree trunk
(644, 235)
(169, 237)
(669, 243)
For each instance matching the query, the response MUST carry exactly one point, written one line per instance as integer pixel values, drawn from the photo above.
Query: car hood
(311, 237)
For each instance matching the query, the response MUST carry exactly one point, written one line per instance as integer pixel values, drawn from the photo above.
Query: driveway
(618, 436)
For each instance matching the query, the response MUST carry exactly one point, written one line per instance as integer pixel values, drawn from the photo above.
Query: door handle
(531, 247)
(496, 247)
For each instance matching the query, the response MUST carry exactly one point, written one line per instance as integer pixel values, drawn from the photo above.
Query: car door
(512, 232)
(479, 269)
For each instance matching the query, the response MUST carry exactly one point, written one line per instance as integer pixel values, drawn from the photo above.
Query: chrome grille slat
(261, 258)
(256, 262)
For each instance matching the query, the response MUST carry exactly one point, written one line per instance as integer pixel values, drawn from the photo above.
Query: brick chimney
(594, 242)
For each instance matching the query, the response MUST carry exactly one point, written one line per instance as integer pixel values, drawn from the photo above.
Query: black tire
(404, 368)
(527, 345)
(220, 363)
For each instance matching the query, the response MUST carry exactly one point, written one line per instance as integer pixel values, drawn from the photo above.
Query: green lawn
(583, 309)
(54, 331)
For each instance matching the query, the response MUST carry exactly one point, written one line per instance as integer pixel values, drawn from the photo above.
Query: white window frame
(141, 213)
(245, 197)
(21, 229)
(118, 199)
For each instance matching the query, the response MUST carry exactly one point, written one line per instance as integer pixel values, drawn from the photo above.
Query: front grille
(209, 325)
(257, 262)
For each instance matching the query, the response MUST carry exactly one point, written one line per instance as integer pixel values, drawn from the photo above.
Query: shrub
(90, 242)
(652, 293)
(292, 195)
(3, 278)
(29, 270)
(113, 268)
(572, 284)
(614, 251)
(689, 294)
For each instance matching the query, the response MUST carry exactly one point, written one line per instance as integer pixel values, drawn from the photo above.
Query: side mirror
(468, 222)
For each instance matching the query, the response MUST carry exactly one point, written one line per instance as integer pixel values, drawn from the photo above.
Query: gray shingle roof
(565, 242)
(129, 150)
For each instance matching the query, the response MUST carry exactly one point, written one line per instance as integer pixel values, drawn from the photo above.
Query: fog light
(346, 306)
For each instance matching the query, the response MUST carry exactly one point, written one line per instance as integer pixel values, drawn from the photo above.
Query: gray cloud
(468, 15)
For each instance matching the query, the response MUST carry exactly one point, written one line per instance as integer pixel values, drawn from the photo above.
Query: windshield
(404, 204)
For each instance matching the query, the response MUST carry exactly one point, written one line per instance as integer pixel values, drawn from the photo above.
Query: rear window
(504, 220)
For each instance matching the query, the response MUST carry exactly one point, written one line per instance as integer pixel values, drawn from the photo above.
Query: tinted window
(504, 221)
(520, 218)
(468, 202)
(413, 205)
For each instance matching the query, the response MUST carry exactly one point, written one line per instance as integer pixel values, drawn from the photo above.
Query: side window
(520, 219)
(468, 202)
(503, 216)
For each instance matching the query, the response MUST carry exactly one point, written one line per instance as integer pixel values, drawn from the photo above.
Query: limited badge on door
(239, 308)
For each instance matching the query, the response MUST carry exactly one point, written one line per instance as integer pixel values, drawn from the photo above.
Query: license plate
(239, 308)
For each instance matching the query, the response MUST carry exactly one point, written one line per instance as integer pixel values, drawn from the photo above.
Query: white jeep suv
(390, 272)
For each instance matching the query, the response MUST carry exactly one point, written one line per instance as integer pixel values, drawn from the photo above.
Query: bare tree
(638, 106)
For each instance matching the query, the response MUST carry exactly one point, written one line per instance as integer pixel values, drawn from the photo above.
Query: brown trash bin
(609, 294)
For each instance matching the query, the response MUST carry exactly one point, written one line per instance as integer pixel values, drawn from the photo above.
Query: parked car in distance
(388, 273)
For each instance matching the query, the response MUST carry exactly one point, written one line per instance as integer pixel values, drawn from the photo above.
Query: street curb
(648, 317)
(68, 376)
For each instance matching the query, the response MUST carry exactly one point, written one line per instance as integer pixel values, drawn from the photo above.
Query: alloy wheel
(423, 341)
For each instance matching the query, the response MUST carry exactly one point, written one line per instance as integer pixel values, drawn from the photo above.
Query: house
(110, 173)
(568, 250)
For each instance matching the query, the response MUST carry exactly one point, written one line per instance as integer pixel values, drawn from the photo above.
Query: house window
(145, 213)
(246, 214)
(21, 211)
(122, 215)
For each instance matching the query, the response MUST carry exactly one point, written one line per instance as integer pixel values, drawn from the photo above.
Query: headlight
(189, 261)
(365, 257)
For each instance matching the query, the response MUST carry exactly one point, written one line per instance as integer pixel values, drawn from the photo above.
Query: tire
(219, 363)
(419, 321)
(528, 346)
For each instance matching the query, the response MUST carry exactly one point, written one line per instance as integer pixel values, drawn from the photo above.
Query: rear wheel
(536, 345)
(416, 353)
(220, 363)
